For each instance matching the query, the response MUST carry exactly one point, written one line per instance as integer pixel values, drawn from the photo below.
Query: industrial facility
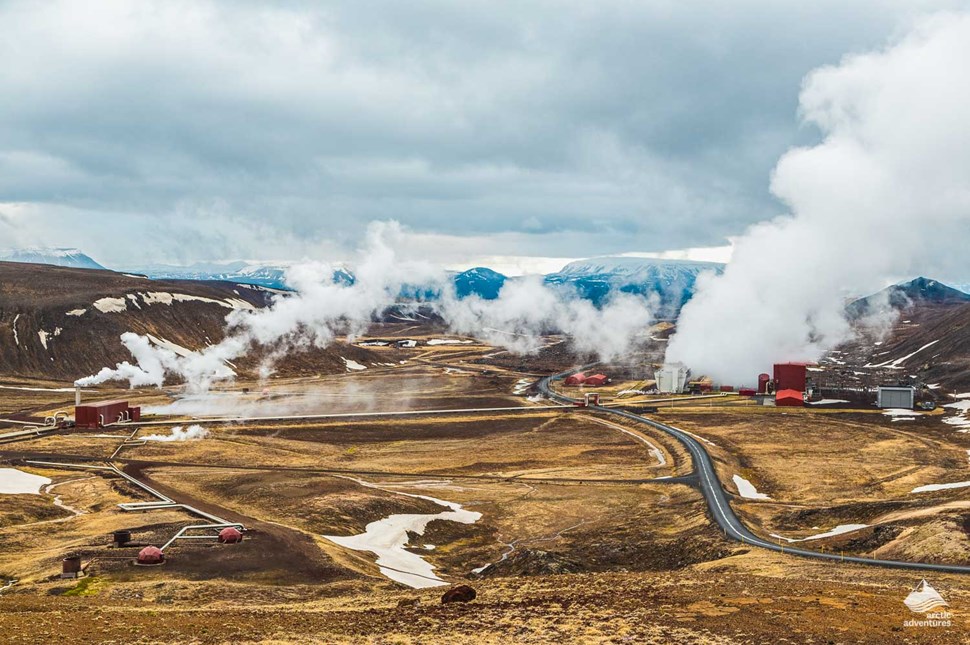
(671, 378)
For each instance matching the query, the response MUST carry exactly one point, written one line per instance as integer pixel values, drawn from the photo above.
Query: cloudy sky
(182, 131)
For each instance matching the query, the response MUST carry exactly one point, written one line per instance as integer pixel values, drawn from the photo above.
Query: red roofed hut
(596, 380)
(230, 535)
(789, 398)
(150, 555)
(576, 379)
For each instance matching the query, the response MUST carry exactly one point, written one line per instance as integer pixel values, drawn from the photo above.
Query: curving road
(717, 499)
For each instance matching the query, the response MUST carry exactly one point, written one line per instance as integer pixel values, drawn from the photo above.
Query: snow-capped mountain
(263, 274)
(480, 281)
(907, 294)
(671, 280)
(73, 258)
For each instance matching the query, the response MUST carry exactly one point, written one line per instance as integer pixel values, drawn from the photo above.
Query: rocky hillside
(928, 341)
(64, 323)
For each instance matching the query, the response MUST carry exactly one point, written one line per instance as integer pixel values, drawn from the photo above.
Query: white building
(671, 378)
(896, 397)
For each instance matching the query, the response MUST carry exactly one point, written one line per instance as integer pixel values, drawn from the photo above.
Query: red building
(792, 398)
(790, 376)
(596, 380)
(576, 379)
(97, 415)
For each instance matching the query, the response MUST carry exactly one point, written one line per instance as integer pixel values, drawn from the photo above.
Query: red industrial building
(596, 380)
(790, 376)
(792, 398)
(747, 391)
(576, 379)
(97, 415)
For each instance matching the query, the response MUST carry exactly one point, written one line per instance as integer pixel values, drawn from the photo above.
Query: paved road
(717, 499)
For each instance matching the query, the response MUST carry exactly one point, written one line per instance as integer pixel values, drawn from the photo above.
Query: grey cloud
(525, 126)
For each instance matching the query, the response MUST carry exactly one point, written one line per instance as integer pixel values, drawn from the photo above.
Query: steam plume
(321, 309)
(192, 433)
(883, 196)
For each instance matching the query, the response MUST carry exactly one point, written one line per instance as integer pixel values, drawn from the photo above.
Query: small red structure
(596, 380)
(789, 398)
(150, 555)
(763, 383)
(790, 376)
(230, 535)
(97, 415)
(727, 388)
(576, 379)
(747, 391)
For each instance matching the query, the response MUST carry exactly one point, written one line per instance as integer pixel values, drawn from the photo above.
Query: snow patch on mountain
(62, 257)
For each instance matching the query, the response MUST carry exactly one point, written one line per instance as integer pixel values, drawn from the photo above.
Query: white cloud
(572, 129)
(884, 194)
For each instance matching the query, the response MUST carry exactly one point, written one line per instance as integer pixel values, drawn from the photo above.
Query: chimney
(77, 395)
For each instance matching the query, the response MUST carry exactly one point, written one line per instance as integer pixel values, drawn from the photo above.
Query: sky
(514, 134)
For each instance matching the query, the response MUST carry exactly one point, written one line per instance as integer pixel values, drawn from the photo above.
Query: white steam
(886, 194)
(525, 309)
(192, 433)
(320, 309)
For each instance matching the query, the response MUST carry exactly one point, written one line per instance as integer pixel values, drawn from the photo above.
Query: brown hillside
(63, 323)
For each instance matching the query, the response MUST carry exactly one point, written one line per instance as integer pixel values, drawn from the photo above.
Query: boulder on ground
(461, 593)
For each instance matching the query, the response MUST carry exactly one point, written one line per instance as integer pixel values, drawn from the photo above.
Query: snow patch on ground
(388, 539)
(169, 345)
(746, 489)
(838, 530)
(45, 336)
(111, 305)
(897, 364)
(934, 487)
(17, 482)
(118, 305)
(77, 312)
(901, 414)
(353, 366)
(16, 338)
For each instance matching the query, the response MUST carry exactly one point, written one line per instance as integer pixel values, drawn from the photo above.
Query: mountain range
(72, 258)
(671, 281)
(594, 279)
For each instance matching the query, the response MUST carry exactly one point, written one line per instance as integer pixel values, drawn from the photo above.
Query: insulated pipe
(181, 534)
(77, 395)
